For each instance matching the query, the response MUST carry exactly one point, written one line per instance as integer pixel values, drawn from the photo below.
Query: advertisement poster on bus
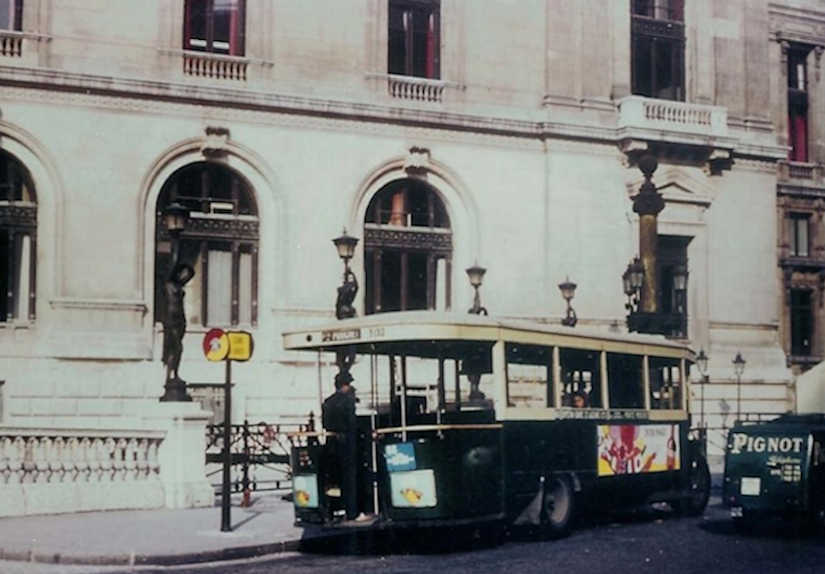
(633, 449)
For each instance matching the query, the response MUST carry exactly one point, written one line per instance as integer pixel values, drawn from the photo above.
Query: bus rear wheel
(559, 505)
(698, 488)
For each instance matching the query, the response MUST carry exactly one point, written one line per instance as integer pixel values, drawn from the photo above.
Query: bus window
(624, 381)
(475, 381)
(665, 383)
(580, 378)
(529, 369)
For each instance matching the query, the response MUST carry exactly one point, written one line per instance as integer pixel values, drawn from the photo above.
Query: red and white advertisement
(633, 449)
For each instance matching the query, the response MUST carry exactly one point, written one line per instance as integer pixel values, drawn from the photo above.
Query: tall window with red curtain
(798, 103)
(11, 15)
(413, 38)
(214, 26)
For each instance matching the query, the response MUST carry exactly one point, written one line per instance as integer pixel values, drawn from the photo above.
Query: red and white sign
(216, 345)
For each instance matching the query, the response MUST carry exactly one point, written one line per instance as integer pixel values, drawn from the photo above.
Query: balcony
(671, 118)
(418, 89)
(697, 129)
(214, 66)
(11, 43)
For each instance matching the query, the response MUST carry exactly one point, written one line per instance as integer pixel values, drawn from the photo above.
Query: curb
(132, 559)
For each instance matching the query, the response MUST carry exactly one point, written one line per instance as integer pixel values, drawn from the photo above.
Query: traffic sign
(216, 345)
(240, 346)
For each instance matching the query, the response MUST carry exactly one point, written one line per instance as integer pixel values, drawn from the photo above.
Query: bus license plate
(750, 486)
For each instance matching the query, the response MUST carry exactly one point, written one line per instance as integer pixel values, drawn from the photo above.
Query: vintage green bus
(469, 419)
(776, 468)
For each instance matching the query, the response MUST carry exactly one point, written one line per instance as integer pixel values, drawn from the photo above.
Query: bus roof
(381, 331)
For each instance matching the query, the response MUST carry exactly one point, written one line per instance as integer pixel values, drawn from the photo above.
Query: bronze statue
(174, 325)
(346, 295)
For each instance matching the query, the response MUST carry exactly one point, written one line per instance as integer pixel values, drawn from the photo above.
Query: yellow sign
(216, 345)
(240, 346)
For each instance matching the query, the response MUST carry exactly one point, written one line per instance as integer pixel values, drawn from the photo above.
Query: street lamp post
(174, 218)
(702, 364)
(568, 290)
(344, 309)
(738, 369)
(476, 275)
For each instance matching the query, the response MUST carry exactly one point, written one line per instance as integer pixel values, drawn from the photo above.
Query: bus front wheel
(559, 504)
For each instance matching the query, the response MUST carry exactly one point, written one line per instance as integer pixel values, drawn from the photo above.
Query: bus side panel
(646, 462)
(536, 449)
(457, 475)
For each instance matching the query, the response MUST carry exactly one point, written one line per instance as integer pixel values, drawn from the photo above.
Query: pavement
(129, 540)
(136, 538)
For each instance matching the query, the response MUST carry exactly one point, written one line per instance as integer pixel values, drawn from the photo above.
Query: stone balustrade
(44, 457)
(418, 89)
(215, 66)
(66, 470)
(671, 116)
(11, 43)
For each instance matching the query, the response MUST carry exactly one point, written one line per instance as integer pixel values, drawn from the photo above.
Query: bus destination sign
(337, 335)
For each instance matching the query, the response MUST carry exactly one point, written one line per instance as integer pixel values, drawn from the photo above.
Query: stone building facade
(441, 133)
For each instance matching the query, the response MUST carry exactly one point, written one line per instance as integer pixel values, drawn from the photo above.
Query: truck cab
(776, 469)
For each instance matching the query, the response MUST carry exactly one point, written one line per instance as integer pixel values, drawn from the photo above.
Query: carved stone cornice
(788, 23)
(215, 144)
(268, 108)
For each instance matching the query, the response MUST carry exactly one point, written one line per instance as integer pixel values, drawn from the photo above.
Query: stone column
(648, 203)
(182, 454)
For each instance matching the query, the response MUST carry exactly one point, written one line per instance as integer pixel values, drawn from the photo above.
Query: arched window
(220, 241)
(18, 236)
(407, 249)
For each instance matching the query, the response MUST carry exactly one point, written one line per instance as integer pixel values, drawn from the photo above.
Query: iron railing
(260, 453)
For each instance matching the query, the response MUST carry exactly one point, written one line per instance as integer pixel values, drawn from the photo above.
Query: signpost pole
(226, 502)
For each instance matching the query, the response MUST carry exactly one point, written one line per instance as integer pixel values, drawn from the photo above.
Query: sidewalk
(157, 537)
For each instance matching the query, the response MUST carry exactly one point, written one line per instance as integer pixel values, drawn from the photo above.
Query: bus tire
(559, 506)
(698, 488)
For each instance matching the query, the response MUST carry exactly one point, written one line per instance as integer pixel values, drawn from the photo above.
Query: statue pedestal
(182, 454)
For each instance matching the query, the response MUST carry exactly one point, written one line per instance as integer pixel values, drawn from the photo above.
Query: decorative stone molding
(788, 23)
(98, 304)
(677, 186)
(417, 160)
(215, 142)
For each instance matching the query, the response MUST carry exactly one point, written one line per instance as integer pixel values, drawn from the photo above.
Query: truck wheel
(559, 505)
(698, 488)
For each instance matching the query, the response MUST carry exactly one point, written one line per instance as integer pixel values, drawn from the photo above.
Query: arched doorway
(18, 236)
(220, 242)
(407, 249)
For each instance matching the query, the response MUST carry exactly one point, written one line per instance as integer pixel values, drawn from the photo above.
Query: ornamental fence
(260, 454)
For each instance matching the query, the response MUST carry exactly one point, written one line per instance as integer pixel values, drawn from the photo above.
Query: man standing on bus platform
(338, 416)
